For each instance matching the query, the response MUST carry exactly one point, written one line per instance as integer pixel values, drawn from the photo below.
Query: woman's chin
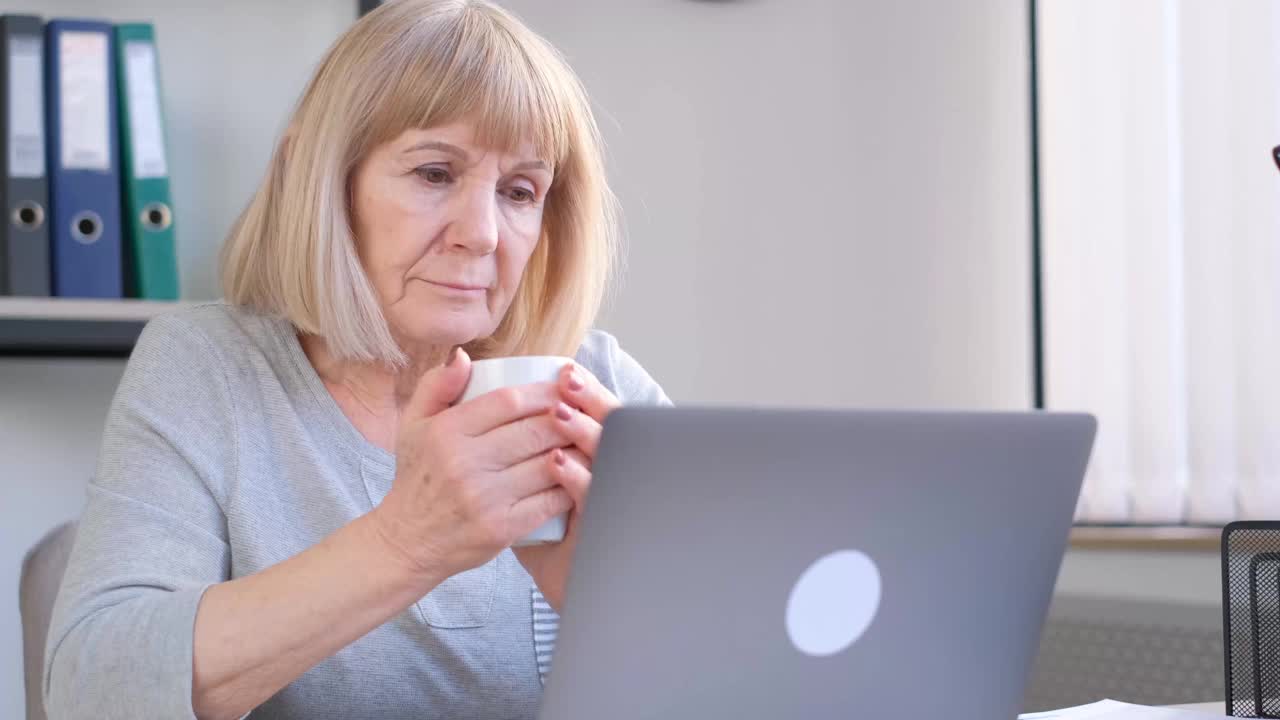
(440, 334)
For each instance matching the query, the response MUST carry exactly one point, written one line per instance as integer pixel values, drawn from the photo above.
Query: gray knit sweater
(224, 454)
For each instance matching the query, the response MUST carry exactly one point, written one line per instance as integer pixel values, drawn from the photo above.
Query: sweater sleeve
(152, 537)
(618, 371)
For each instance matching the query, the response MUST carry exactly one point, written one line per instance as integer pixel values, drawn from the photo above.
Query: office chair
(42, 571)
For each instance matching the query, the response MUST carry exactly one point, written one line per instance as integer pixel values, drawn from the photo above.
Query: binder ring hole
(86, 227)
(156, 216)
(28, 216)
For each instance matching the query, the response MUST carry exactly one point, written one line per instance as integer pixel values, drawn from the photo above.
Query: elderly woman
(292, 515)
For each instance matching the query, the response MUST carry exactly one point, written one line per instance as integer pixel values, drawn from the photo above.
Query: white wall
(827, 201)
(230, 73)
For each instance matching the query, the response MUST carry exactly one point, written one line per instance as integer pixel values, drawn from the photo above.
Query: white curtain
(1161, 251)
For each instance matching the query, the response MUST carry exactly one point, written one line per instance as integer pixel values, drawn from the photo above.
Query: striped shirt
(546, 624)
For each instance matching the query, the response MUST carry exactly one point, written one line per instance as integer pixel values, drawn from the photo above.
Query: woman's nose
(475, 227)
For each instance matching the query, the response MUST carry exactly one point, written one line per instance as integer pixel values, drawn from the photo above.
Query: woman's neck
(371, 395)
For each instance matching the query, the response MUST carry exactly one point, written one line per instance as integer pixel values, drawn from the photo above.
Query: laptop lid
(783, 563)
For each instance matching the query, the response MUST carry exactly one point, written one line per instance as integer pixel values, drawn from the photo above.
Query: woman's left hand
(585, 403)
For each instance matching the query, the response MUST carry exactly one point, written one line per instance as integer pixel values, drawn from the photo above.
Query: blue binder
(84, 167)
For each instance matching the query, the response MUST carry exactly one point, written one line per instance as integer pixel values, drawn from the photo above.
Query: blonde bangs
(485, 69)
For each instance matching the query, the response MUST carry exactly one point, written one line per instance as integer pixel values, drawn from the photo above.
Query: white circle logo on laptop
(833, 603)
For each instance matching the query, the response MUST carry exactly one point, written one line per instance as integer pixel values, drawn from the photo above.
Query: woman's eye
(520, 195)
(434, 175)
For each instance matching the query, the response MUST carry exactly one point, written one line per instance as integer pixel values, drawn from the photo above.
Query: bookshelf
(227, 89)
(65, 327)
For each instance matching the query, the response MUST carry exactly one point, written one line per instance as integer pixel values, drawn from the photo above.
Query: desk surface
(1210, 707)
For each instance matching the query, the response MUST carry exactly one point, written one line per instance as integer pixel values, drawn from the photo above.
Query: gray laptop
(815, 564)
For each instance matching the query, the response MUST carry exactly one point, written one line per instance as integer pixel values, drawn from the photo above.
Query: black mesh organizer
(1251, 617)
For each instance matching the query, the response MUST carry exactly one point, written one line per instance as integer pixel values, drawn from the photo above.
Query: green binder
(150, 261)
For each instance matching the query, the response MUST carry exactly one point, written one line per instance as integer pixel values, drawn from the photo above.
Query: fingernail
(575, 381)
(453, 357)
(563, 412)
(558, 457)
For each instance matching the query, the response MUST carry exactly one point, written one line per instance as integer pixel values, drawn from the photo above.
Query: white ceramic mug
(489, 375)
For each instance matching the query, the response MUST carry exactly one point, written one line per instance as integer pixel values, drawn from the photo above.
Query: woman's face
(444, 229)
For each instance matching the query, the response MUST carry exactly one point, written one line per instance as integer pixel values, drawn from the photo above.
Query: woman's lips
(458, 286)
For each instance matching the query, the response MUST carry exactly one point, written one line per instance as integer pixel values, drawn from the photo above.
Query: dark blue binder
(84, 167)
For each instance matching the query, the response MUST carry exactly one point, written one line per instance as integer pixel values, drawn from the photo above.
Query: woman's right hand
(470, 479)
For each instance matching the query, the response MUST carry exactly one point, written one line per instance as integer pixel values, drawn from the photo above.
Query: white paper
(146, 133)
(26, 106)
(83, 87)
(1112, 710)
